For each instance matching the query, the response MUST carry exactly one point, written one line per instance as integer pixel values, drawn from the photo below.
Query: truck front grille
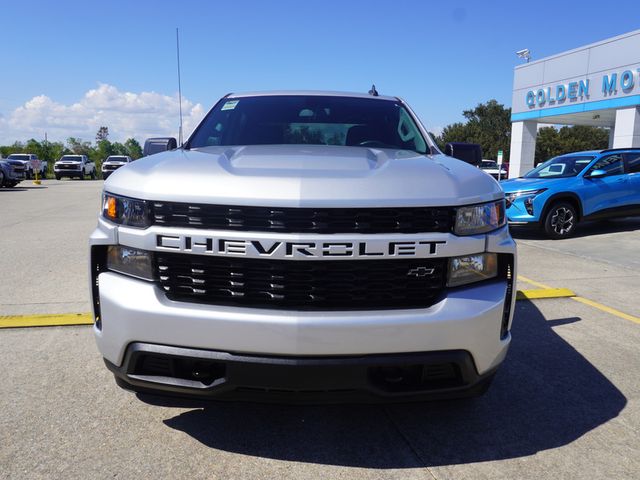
(302, 285)
(303, 220)
(67, 166)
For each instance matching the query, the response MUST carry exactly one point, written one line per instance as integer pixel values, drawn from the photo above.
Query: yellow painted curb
(544, 293)
(17, 321)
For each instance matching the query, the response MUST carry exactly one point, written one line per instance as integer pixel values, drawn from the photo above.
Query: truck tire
(560, 221)
(1, 178)
(93, 174)
(57, 177)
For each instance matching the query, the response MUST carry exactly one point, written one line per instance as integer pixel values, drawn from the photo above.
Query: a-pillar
(627, 129)
(523, 147)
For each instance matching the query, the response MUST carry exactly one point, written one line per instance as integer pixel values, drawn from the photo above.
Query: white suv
(303, 245)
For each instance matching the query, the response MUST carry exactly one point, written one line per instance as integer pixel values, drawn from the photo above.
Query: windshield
(73, 158)
(16, 156)
(489, 164)
(309, 120)
(561, 167)
(116, 159)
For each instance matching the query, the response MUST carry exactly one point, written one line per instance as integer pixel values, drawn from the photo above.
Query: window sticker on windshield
(230, 105)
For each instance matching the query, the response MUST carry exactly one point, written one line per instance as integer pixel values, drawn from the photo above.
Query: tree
(16, 147)
(547, 144)
(133, 148)
(103, 134)
(55, 150)
(489, 124)
(456, 132)
(78, 147)
(552, 142)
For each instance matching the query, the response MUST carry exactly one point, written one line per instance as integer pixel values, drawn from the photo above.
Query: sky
(70, 67)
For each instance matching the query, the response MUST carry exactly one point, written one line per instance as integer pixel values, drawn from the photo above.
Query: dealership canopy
(597, 85)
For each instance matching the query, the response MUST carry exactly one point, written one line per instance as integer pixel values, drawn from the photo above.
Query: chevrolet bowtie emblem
(419, 272)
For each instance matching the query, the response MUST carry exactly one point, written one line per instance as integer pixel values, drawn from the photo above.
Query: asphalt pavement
(566, 403)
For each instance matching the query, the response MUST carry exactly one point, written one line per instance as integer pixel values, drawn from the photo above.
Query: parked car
(112, 163)
(74, 166)
(576, 187)
(19, 168)
(9, 176)
(299, 243)
(31, 163)
(492, 168)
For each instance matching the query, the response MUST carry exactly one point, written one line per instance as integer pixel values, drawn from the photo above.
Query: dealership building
(597, 85)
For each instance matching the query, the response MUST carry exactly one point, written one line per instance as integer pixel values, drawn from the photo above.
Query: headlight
(125, 211)
(130, 261)
(476, 219)
(472, 268)
(511, 197)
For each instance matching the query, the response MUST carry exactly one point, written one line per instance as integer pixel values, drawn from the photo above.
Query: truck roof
(311, 92)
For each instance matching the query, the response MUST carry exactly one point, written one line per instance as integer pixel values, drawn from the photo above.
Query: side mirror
(159, 144)
(597, 173)
(467, 152)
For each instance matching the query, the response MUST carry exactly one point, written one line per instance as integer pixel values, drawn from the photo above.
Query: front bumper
(149, 368)
(134, 311)
(16, 176)
(527, 210)
(67, 172)
(473, 319)
(109, 171)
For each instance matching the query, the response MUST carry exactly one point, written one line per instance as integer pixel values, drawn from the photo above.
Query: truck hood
(304, 175)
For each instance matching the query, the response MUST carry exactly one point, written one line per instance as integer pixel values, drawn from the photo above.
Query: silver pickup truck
(32, 164)
(303, 245)
(11, 172)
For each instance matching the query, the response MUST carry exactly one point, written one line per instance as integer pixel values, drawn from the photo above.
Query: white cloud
(127, 114)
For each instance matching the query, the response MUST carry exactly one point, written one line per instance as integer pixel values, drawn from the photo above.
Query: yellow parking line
(544, 293)
(17, 321)
(586, 301)
(606, 309)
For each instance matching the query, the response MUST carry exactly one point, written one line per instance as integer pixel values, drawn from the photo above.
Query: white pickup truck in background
(74, 166)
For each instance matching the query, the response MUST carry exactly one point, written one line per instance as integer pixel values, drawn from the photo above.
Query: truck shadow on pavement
(21, 189)
(546, 395)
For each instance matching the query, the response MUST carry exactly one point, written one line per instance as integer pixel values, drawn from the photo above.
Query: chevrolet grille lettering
(242, 247)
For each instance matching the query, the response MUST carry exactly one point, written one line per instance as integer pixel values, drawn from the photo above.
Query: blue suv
(574, 187)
